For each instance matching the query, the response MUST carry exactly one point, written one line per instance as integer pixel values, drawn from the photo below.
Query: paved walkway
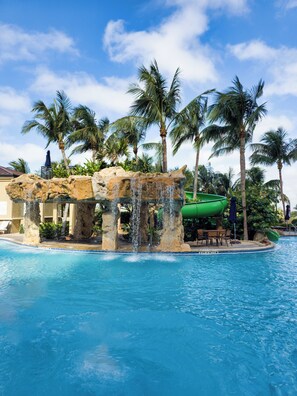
(95, 245)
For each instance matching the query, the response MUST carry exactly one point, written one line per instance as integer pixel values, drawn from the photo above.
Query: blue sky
(92, 49)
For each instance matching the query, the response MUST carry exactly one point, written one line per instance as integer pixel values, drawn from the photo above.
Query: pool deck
(124, 247)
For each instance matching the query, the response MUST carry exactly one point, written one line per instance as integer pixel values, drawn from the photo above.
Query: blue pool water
(124, 324)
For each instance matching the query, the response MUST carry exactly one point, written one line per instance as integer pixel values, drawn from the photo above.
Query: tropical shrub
(51, 230)
(88, 168)
(261, 214)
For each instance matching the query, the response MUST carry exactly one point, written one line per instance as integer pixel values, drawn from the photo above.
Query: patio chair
(202, 236)
(4, 226)
(227, 237)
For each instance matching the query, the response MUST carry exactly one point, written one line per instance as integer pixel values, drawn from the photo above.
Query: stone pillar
(144, 215)
(110, 227)
(83, 228)
(55, 213)
(72, 218)
(41, 208)
(31, 224)
(172, 238)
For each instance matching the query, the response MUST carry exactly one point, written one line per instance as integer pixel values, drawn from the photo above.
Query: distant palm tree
(115, 148)
(158, 149)
(255, 176)
(20, 165)
(88, 131)
(52, 122)
(145, 163)
(275, 148)
(156, 102)
(224, 183)
(207, 178)
(132, 129)
(237, 112)
(188, 127)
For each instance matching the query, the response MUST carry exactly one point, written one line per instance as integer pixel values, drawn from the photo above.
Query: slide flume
(207, 205)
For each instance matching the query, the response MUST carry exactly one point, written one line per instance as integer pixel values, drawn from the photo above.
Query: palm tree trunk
(94, 152)
(135, 152)
(279, 165)
(61, 146)
(195, 187)
(242, 180)
(67, 205)
(164, 149)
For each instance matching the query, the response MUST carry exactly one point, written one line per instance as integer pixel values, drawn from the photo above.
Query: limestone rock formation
(30, 188)
(83, 227)
(110, 187)
(31, 224)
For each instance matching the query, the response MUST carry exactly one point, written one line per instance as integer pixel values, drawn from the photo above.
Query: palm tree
(88, 131)
(188, 126)
(156, 102)
(132, 129)
(275, 149)
(237, 112)
(52, 122)
(20, 165)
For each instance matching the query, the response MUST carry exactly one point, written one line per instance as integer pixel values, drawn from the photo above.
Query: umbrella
(288, 213)
(232, 215)
(48, 162)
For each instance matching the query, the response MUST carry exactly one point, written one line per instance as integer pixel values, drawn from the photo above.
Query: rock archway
(109, 187)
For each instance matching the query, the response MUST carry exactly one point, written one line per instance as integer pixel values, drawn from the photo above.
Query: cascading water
(136, 189)
(170, 197)
(116, 200)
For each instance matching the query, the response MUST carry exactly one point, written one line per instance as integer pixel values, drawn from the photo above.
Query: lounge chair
(4, 226)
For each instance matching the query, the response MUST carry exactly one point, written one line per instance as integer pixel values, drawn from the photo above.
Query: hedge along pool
(148, 324)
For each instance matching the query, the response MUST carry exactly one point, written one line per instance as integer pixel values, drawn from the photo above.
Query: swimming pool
(123, 324)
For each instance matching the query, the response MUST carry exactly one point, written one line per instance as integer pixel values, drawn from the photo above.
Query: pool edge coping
(259, 249)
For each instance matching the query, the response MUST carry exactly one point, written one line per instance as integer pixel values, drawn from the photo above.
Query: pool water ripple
(120, 324)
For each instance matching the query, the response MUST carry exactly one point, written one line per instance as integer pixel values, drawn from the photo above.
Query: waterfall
(136, 190)
(170, 197)
(116, 200)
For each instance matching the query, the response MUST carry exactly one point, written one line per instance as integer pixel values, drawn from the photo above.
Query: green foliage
(98, 218)
(20, 165)
(192, 225)
(261, 213)
(21, 229)
(59, 169)
(143, 164)
(88, 168)
(189, 180)
(51, 230)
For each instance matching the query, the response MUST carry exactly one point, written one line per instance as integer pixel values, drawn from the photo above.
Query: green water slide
(207, 205)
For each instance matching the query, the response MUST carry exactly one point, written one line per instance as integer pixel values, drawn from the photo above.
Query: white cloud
(106, 98)
(287, 4)
(253, 50)
(273, 122)
(13, 101)
(30, 152)
(174, 43)
(14, 107)
(280, 63)
(17, 44)
(291, 4)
